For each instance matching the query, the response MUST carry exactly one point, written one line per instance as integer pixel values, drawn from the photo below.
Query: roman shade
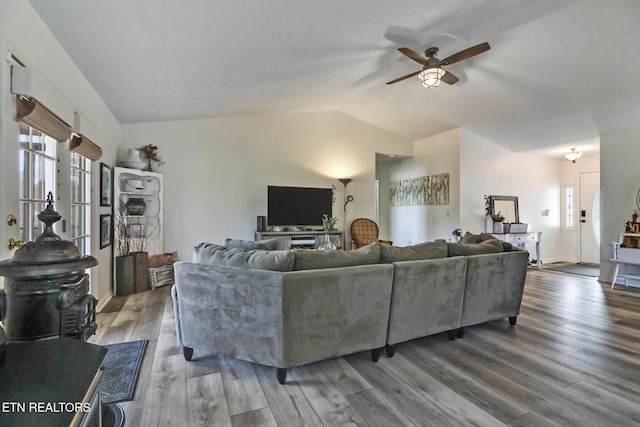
(36, 115)
(85, 147)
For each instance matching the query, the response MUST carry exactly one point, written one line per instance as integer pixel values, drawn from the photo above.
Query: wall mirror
(507, 206)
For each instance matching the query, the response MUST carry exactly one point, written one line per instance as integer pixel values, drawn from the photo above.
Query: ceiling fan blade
(404, 77)
(449, 78)
(413, 55)
(466, 54)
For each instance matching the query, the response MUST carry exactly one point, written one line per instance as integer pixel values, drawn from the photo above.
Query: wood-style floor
(573, 359)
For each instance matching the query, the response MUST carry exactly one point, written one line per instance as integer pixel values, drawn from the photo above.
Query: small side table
(626, 276)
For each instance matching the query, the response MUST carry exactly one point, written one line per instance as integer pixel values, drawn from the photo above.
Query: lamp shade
(85, 147)
(36, 115)
(431, 77)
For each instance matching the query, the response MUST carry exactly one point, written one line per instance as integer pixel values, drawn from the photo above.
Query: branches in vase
(132, 233)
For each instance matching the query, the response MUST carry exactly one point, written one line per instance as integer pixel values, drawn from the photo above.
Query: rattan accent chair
(365, 231)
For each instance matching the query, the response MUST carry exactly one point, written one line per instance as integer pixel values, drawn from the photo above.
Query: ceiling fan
(432, 72)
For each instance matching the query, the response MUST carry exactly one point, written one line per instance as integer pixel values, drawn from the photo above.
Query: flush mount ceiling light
(431, 77)
(573, 156)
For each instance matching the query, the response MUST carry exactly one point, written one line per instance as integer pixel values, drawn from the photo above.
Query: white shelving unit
(133, 184)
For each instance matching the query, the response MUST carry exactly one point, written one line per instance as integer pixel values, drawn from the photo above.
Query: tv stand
(308, 239)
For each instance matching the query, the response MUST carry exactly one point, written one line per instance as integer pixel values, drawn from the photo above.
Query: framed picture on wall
(105, 230)
(105, 185)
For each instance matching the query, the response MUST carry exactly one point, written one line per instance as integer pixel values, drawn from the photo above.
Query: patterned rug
(581, 269)
(121, 367)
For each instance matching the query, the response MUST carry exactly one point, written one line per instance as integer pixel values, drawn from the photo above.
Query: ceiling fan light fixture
(431, 77)
(573, 156)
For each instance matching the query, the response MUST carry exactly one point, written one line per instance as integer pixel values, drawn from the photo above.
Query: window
(569, 208)
(37, 168)
(80, 221)
(41, 172)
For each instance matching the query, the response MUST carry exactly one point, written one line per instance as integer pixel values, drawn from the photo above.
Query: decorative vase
(326, 244)
(135, 206)
(134, 161)
(147, 168)
(488, 224)
(498, 227)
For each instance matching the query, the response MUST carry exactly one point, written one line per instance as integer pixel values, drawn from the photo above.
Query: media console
(300, 239)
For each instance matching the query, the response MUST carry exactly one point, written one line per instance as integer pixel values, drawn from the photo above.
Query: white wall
(217, 170)
(24, 33)
(620, 182)
(478, 167)
(415, 224)
(488, 169)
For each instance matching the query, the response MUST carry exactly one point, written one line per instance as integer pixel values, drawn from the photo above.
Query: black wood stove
(46, 290)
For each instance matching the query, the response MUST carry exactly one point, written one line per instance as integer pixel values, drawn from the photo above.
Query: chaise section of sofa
(278, 318)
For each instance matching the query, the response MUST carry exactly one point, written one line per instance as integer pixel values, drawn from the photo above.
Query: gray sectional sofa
(285, 309)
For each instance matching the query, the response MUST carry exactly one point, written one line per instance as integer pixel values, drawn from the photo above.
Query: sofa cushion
(486, 247)
(216, 255)
(471, 238)
(309, 259)
(428, 250)
(267, 245)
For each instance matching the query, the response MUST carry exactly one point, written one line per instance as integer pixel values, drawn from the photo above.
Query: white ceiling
(559, 71)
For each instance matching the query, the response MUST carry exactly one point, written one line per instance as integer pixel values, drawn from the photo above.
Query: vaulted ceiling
(558, 71)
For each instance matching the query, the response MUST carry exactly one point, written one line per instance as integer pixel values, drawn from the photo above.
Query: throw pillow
(267, 245)
(216, 255)
(309, 259)
(428, 250)
(486, 247)
(506, 246)
(471, 238)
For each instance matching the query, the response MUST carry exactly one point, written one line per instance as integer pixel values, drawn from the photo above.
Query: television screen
(298, 206)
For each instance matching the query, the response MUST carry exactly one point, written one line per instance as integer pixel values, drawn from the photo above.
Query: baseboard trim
(103, 302)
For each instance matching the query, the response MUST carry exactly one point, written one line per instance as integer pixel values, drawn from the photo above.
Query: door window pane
(37, 168)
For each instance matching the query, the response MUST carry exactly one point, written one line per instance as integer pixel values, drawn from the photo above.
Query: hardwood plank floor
(573, 359)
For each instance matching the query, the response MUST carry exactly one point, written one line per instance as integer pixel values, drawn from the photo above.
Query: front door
(590, 217)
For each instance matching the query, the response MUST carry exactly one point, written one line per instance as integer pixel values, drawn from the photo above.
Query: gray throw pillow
(216, 255)
(428, 250)
(486, 247)
(506, 246)
(267, 245)
(471, 238)
(308, 259)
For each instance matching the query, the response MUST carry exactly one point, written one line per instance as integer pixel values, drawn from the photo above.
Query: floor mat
(121, 368)
(581, 269)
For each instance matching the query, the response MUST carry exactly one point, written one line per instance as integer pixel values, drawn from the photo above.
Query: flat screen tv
(298, 206)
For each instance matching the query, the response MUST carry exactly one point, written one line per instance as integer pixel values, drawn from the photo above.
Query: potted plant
(150, 154)
(497, 219)
(457, 233)
(327, 226)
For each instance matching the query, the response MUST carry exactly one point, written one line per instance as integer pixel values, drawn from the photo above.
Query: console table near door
(521, 239)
